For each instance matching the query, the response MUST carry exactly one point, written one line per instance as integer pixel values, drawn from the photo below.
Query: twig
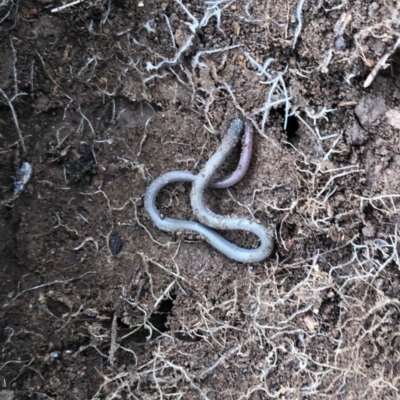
(113, 346)
(381, 63)
(298, 16)
(74, 3)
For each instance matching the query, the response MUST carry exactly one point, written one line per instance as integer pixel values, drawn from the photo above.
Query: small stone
(393, 118)
(235, 28)
(356, 136)
(369, 62)
(372, 10)
(340, 43)
(370, 109)
(55, 354)
(41, 103)
(90, 312)
(368, 231)
(173, 18)
(311, 324)
(180, 38)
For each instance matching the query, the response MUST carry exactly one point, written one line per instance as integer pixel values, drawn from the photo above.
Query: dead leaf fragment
(311, 323)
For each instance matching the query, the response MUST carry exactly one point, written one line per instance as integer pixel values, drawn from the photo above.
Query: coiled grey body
(203, 213)
(213, 220)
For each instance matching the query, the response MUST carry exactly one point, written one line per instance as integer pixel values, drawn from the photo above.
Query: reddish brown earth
(168, 317)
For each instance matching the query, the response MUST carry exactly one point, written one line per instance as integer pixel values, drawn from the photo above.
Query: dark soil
(96, 303)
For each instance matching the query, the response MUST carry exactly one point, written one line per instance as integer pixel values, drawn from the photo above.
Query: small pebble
(393, 118)
(89, 312)
(368, 231)
(235, 28)
(340, 43)
(55, 354)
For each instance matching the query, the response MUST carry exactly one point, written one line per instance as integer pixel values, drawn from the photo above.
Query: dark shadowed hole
(160, 317)
(329, 313)
(57, 308)
(368, 210)
(158, 320)
(291, 127)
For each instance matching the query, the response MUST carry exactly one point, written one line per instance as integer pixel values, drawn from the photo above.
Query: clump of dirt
(100, 97)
